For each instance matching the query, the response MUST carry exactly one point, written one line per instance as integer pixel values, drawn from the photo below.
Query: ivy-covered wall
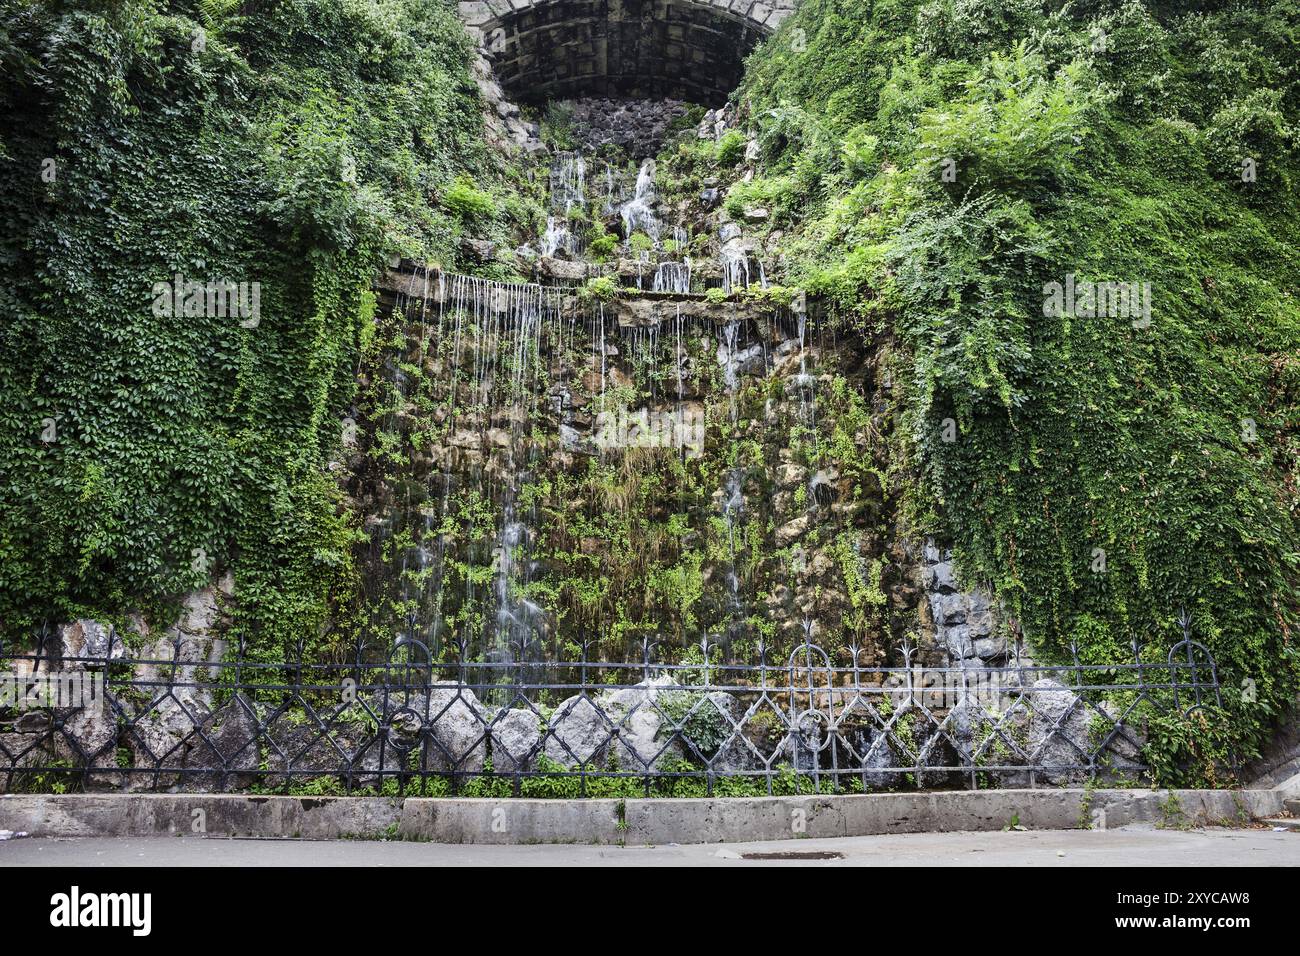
(935, 166)
(294, 144)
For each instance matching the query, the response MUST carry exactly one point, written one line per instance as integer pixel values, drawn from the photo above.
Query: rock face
(504, 125)
(457, 727)
(1280, 759)
(964, 622)
(163, 732)
(90, 643)
(181, 667)
(228, 746)
(637, 127)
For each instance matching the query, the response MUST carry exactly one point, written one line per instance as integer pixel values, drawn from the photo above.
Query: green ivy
(955, 158)
(296, 144)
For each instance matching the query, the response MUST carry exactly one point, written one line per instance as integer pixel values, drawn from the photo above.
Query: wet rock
(791, 476)
(822, 488)
(792, 531)
(738, 361)
(483, 250)
(573, 440)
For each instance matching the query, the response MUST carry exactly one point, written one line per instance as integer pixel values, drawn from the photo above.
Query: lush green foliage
(293, 143)
(1105, 140)
(934, 166)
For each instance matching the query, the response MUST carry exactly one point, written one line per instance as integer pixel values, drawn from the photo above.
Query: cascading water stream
(733, 489)
(568, 181)
(485, 350)
(672, 277)
(735, 270)
(638, 213)
(491, 355)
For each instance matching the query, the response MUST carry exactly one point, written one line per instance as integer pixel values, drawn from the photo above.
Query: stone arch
(686, 49)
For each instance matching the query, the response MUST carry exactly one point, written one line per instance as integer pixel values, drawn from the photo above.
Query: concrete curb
(633, 822)
(450, 820)
(183, 814)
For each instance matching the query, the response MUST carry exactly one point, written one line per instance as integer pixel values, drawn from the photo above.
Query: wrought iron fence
(806, 722)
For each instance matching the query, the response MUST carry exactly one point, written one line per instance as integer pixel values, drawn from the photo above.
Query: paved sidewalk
(1054, 848)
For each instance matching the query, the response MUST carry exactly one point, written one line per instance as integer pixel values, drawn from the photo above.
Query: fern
(215, 12)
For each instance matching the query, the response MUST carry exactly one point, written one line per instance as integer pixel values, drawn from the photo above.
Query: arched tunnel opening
(691, 50)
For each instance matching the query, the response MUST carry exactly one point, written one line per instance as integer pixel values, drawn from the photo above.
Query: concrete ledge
(446, 820)
(779, 818)
(226, 814)
(634, 821)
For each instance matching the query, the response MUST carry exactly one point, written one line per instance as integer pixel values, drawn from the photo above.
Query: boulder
(228, 747)
(560, 269)
(516, 740)
(455, 729)
(624, 726)
(1058, 732)
(578, 734)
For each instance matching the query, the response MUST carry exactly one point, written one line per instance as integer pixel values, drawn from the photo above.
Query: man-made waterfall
(555, 470)
(735, 270)
(638, 213)
(673, 277)
(568, 185)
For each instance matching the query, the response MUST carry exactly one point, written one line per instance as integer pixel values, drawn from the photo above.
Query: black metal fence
(409, 724)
